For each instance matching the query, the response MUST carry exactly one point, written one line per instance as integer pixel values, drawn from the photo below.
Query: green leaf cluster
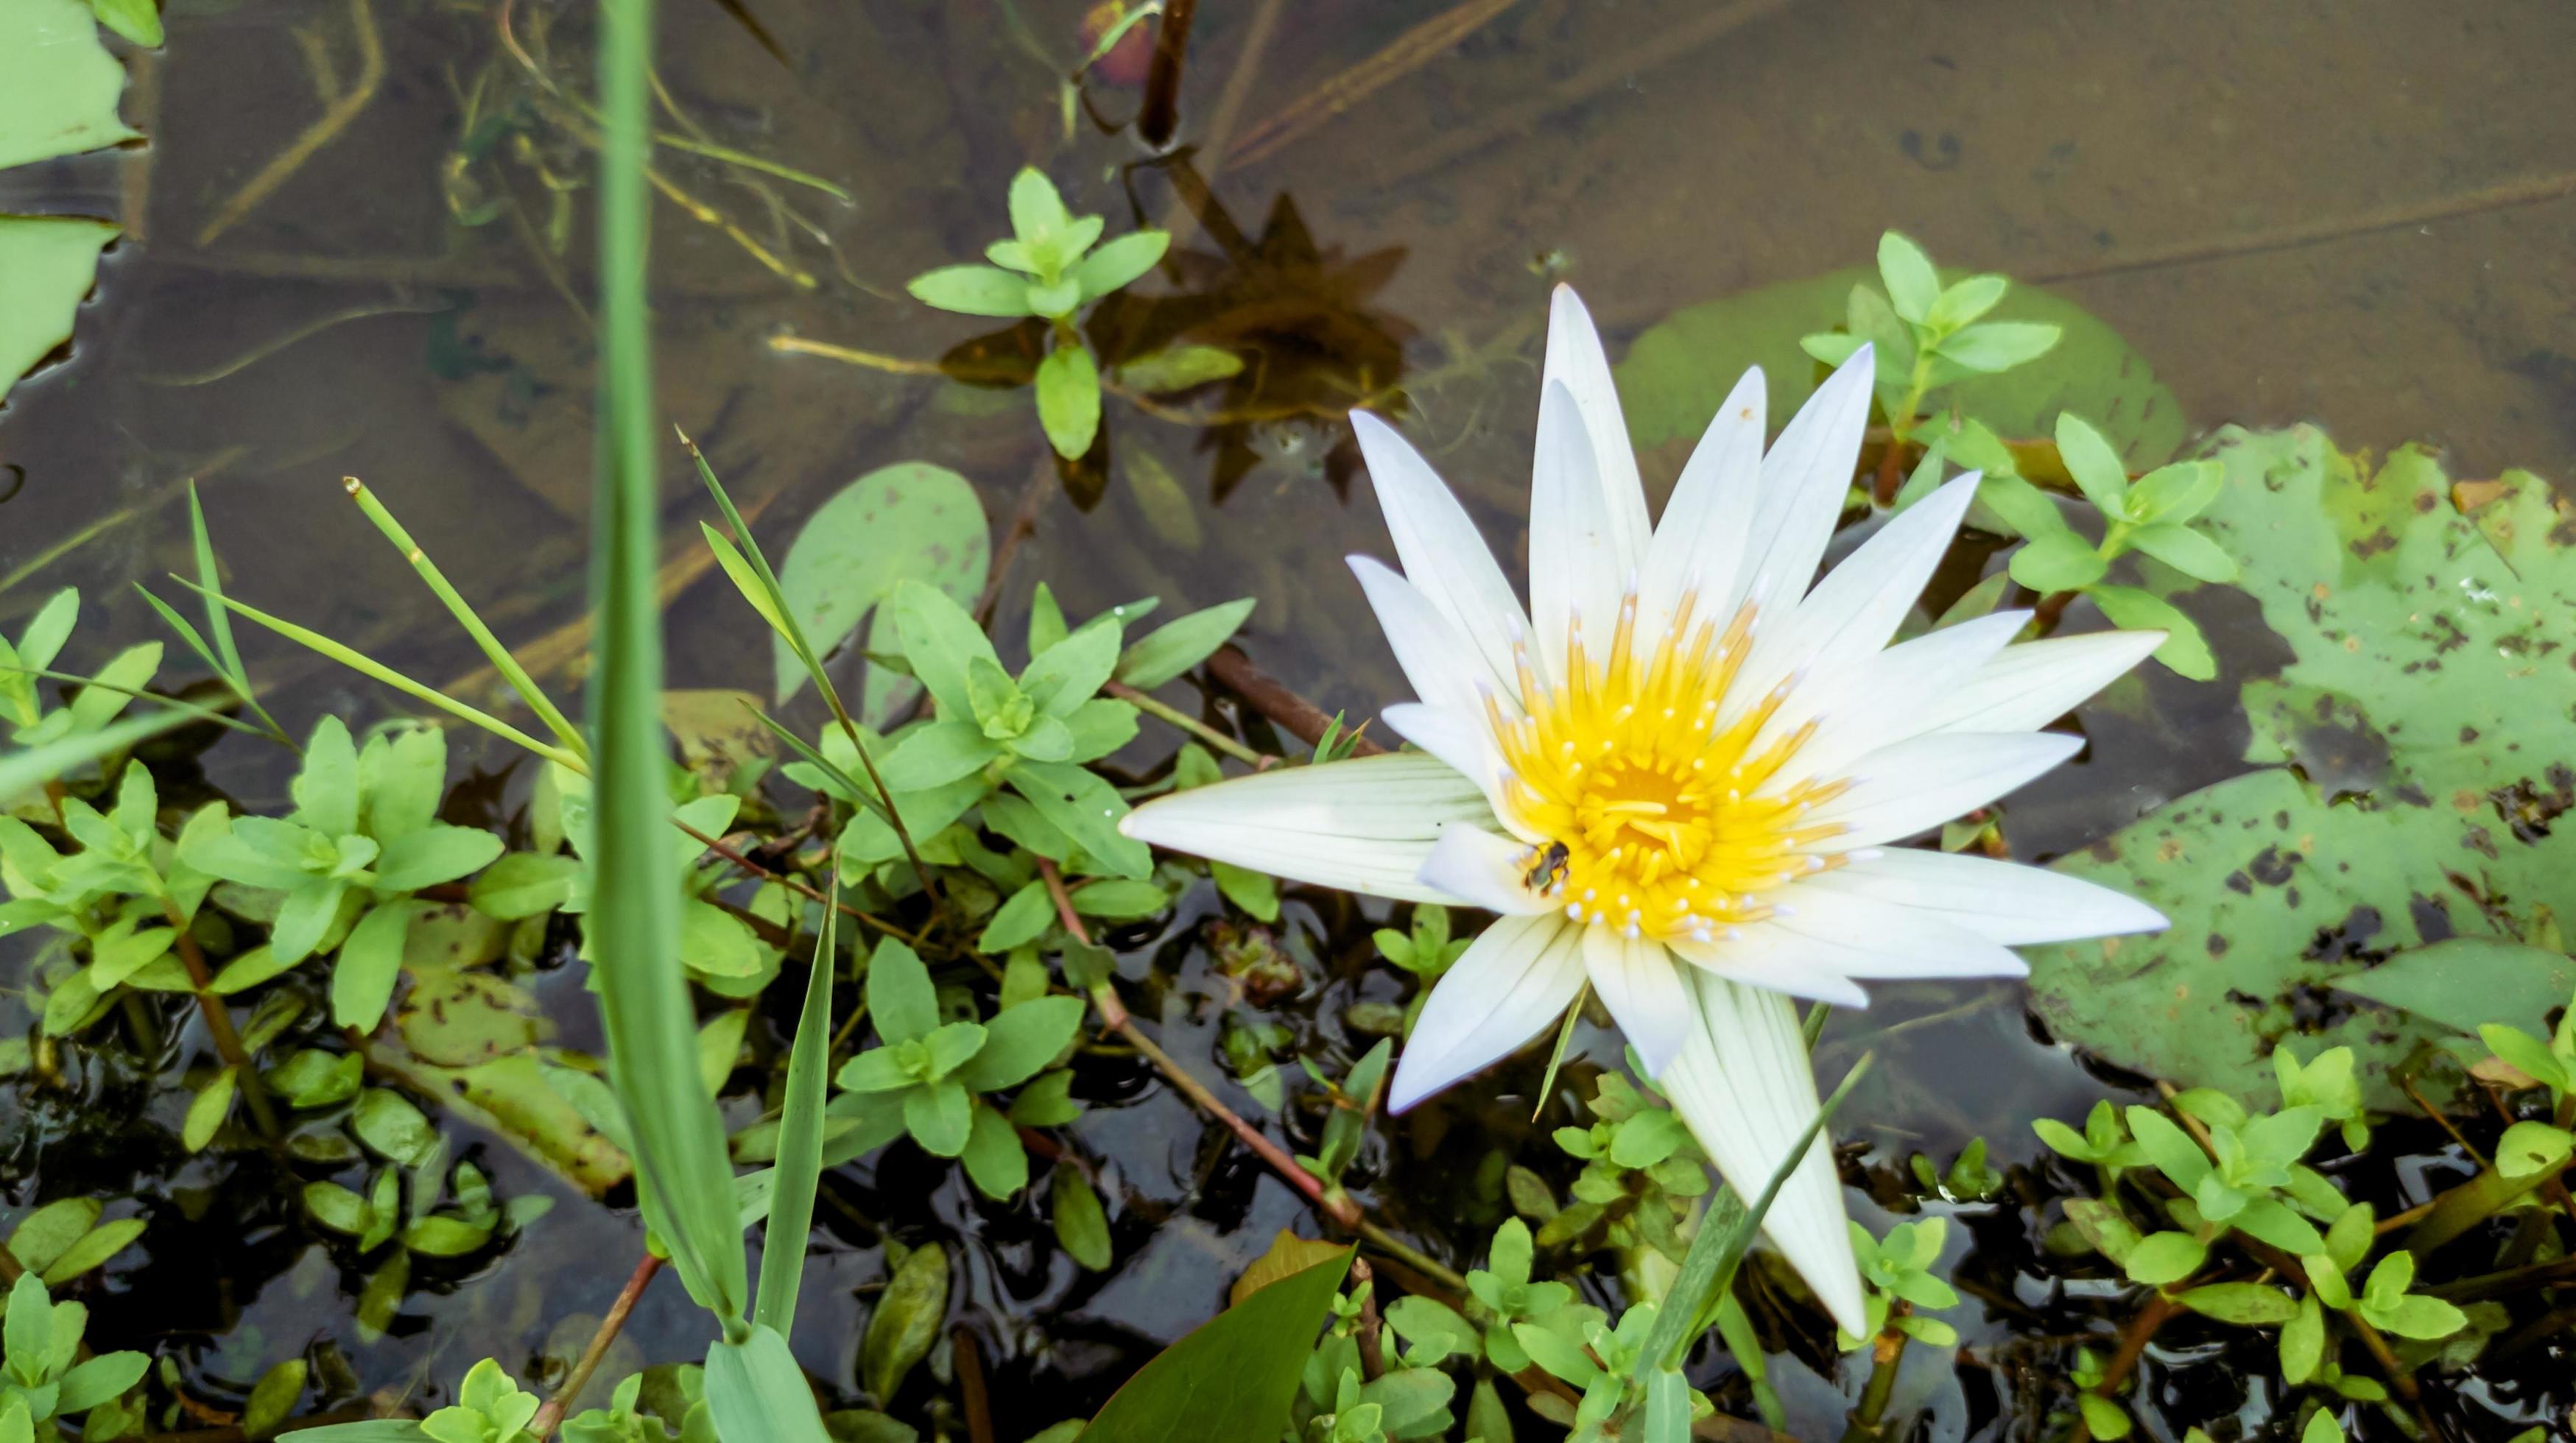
(1051, 267)
(1899, 1269)
(338, 873)
(934, 1079)
(1925, 336)
(42, 1375)
(1641, 1172)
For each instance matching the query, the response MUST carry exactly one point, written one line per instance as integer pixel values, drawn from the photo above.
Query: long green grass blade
(366, 665)
(219, 624)
(24, 771)
(457, 606)
(866, 794)
(200, 713)
(800, 1135)
(1708, 1269)
(635, 913)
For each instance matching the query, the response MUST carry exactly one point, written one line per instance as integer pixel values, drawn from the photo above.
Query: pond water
(2360, 215)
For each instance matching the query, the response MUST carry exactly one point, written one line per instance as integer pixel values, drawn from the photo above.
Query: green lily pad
(2424, 714)
(458, 1019)
(58, 86)
(47, 264)
(908, 521)
(1679, 369)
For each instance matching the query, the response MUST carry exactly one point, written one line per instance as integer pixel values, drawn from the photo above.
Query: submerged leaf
(908, 521)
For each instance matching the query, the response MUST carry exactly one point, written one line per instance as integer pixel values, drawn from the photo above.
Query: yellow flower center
(1651, 802)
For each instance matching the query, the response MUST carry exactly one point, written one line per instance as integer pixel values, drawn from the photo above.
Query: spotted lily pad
(908, 521)
(2422, 719)
(1680, 368)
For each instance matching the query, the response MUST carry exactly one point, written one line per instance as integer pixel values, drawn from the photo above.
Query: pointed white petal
(1574, 356)
(1755, 959)
(1744, 1085)
(1486, 870)
(1882, 699)
(1364, 825)
(1464, 740)
(1919, 784)
(1699, 544)
(1855, 609)
(1640, 981)
(2026, 687)
(1443, 554)
(1445, 669)
(1872, 940)
(2000, 901)
(1504, 990)
(1578, 569)
(1805, 477)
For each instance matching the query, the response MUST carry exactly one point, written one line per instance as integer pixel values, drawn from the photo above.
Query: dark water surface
(2360, 214)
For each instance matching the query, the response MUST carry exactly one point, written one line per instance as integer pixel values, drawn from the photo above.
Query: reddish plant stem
(219, 1025)
(2133, 1346)
(1162, 112)
(1114, 1015)
(542, 1426)
(1371, 1336)
(970, 1382)
(1299, 717)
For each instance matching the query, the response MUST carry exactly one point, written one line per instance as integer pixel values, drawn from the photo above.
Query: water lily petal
(1756, 959)
(1805, 477)
(1745, 1087)
(1641, 984)
(1579, 568)
(1881, 700)
(1486, 869)
(1866, 938)
(1922, 782)
(2000, 901)
(1363, 825)
(1575, 357)
(1445, 669)
(1698, 545)
(1512, 981)
(2028, 686)
(1443, 554)
(1856, 608)
(1464, 740)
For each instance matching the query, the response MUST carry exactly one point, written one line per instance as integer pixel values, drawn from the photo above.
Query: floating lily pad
(47, 263)
(1678, 371)
(458, 1019)
(908, 521)
(2425, 714)
(58, 86)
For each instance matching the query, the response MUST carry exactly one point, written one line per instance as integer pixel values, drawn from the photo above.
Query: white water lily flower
(1675, 774)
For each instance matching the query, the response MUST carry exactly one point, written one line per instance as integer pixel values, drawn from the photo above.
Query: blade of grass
(634, 918)
(219, 625)
(174, 703)
(772, 606)
(457, 606)
(800, 1137)
(1708, 1269)
(867, 795)
(364, 664)
(24, 771)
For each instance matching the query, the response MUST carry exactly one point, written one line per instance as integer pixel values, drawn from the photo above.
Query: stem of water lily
(542, 1426)
(1887, 1354)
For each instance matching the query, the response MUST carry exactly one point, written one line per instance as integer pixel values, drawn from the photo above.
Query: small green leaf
(1965, 302)
(1119, 262)
(392, 1127)
(1998, 346)
(1069, 399)
(1912, 285)
(905, 1323)
(1020, 1040)
(2168, 1257)
(2533, 1147)
(362, 981)
(1178, 368)
(1179, 645)
(972, 290)
(2058, 561)
(2186, 551)
(2096, 467)
(2184, 651)
(899, 993)
(207, 1111)
(1080, 1225)
(2177, 492)
(2244, 1304)
(993, 1156)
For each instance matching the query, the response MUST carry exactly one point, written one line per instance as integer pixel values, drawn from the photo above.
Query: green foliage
(1051, 268)
(933, 1079)
(58, 96)
(1350, 1101)
(1899, 1269)
(911, 521)
(1234, 1376)
(2415, 629)
(64, 1239)
(42, 1375)
(1642, 1173)
(1926, 336)
(338, 873)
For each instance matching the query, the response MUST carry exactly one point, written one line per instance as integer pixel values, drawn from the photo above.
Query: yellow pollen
(1654, 802)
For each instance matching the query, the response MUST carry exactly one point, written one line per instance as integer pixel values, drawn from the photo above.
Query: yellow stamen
(1660, 807)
